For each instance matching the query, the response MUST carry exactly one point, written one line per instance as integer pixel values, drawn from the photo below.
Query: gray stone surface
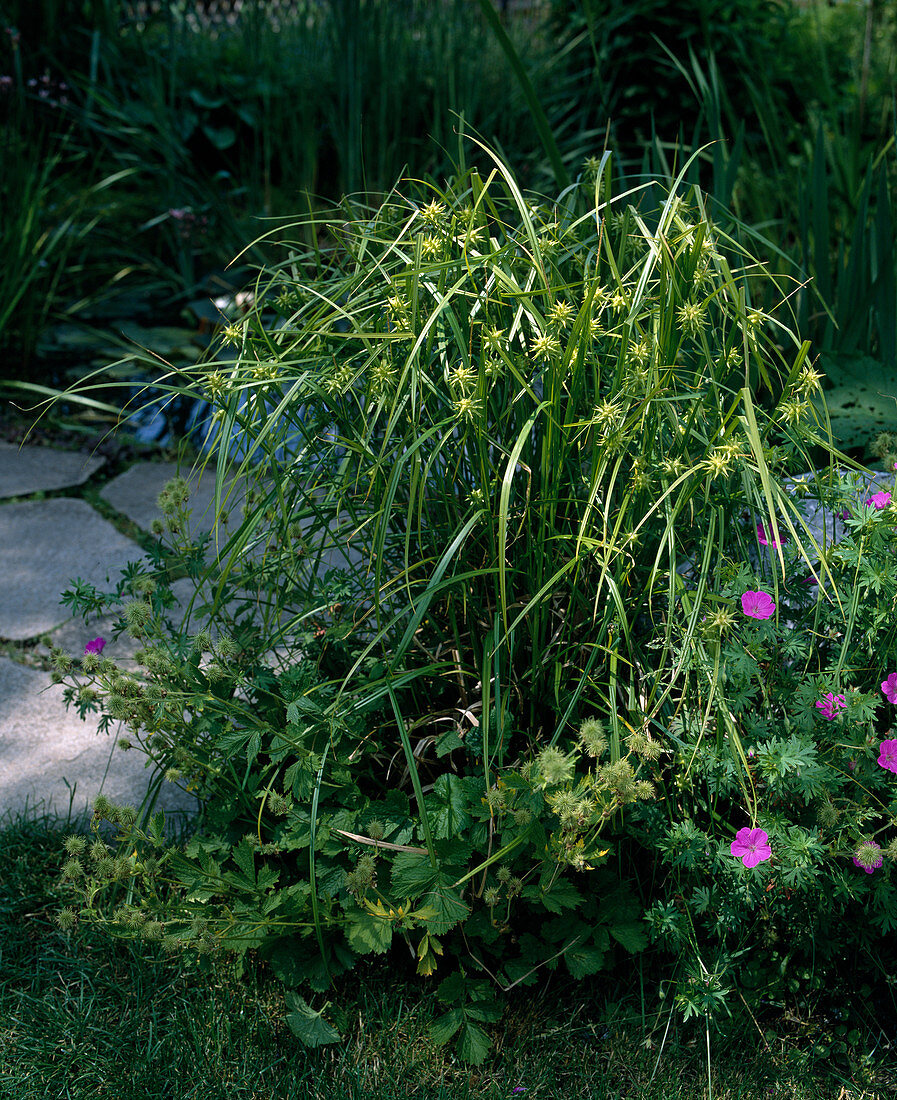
(74, 634)
(26, 470)
(43, 746)
(135, 492)
(44, 545)
(826, 526)
(185, 615)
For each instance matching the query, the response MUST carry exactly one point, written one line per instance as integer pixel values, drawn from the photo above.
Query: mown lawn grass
(81, 1017)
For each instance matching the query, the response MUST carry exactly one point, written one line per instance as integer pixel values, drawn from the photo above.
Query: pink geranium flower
(768, 540)
(830, 705)
(96, 646)
(751, 846)
(758, 605)
(887, 755)
(880, 500)
(889, 687)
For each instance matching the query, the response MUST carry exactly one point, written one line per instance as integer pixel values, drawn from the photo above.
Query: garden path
(51, 761)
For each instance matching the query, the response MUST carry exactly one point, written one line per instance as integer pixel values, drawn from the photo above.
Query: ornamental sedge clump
(530, 453)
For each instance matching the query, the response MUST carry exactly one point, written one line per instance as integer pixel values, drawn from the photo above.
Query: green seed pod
(102, 807)
(138, 614)
(75, 845)
(119, 707)
(592, 738)
(554, 766)
(66, 919)
(106, 867)
(226, 649)
(121, 868)
(72, 869)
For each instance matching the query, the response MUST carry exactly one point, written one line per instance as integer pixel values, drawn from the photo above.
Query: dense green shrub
(470, 671)
(636, 63)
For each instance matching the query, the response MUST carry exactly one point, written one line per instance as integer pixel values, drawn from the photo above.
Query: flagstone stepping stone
(25, 470)
(44, 546)
(49, 757)
(827, 527)
(135, 494)
(74, 633)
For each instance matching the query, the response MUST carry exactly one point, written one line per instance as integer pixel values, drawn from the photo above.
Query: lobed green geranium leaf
(449, 818)
(306, 1024)
(413, 876)
(444, 1027)
(561, 895)
(367, 933)
(583, 959)
(473, 1043)
(632, 936)
(296, 961)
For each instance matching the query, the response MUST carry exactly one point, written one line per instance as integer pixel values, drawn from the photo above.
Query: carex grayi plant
(482, 453)
(538, 416)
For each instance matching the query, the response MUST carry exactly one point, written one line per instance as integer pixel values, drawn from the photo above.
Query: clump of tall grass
(524, 401)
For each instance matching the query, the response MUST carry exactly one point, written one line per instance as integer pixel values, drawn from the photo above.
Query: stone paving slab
(135, 492)
(26, 470)
(44, 545)
(74, 632)
(825, 526)
(42, 745)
